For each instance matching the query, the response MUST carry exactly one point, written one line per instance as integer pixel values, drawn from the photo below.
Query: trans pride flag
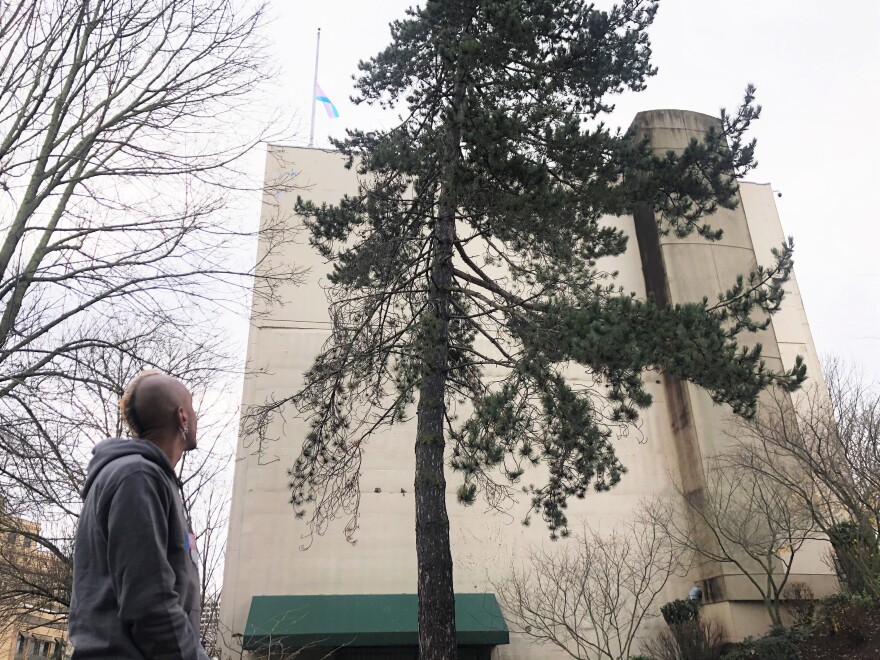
(332, 112)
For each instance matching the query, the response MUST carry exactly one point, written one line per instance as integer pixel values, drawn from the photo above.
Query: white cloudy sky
(816, 68)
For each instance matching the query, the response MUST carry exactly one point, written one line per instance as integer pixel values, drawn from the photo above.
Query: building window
(39, 650)
(20, 646)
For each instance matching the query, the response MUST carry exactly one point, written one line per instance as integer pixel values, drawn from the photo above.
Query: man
(135, 570)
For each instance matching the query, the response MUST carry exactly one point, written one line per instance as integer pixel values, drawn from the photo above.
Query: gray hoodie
(135, 572)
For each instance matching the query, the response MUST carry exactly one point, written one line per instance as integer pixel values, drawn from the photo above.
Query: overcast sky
(816, 68)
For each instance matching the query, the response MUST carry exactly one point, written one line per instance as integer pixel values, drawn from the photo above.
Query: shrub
(858, 555)
(779, 644)
(689, 640)
(679, 611)
(844, 614)
(801, 602)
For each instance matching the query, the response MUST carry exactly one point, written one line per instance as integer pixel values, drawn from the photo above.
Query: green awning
(364, 620)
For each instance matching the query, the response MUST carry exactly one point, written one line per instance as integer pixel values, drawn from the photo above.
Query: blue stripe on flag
(332, 112)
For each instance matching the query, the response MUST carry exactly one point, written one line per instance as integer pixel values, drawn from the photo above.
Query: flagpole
(315, 87)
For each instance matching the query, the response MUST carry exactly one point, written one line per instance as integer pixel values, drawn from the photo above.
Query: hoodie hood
(107, 451)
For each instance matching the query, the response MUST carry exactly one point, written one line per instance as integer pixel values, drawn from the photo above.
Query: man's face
(192, 425)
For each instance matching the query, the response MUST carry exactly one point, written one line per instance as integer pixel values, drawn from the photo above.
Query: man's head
(155, 405)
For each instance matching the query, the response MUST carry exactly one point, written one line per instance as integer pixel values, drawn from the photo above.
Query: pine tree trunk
(436, 599)
(434, 556)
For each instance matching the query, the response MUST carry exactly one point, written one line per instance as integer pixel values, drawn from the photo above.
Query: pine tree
(474, 243)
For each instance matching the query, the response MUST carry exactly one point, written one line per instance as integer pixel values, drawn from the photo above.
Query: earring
(183, 433)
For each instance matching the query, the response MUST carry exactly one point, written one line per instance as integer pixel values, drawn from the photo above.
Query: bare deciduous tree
(227, 645)
(123, 129)
(825, 451)
(210, 519)
(121, 124)
(700, 639)
(590, 596)
(743, 519)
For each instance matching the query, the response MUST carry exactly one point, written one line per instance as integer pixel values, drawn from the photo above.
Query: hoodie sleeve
(143, 579)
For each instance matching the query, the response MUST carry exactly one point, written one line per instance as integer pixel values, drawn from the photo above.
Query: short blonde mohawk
(127, 402)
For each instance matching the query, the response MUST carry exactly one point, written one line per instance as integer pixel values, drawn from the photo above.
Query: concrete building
(681, 429)
(26, 633)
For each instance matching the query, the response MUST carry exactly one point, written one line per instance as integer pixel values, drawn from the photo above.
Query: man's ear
(182, 418)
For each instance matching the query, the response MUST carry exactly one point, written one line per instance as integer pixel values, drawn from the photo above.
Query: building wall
(687, 270)
(42, 637)
(266, 552)
(33, 640)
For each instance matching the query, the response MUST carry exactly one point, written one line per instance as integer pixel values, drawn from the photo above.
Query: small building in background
(29, 630)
